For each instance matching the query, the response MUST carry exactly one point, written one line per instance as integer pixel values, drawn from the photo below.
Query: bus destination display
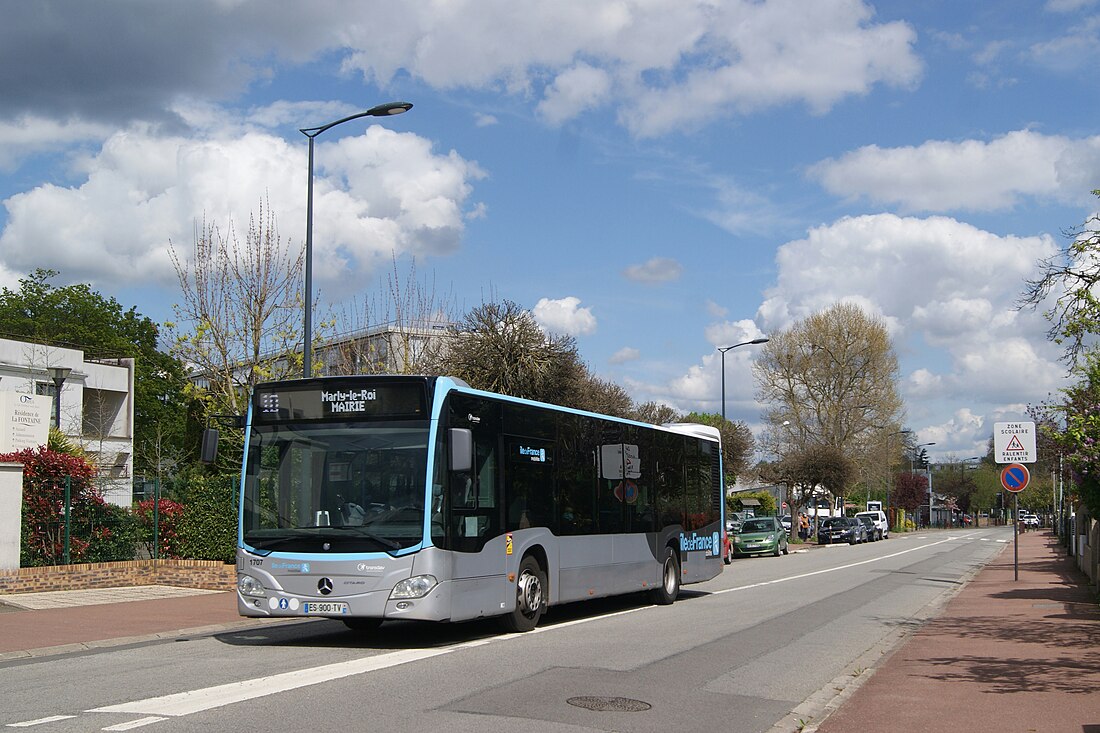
(341, 399)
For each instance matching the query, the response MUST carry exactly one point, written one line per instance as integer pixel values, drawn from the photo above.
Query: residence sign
(1014, 442)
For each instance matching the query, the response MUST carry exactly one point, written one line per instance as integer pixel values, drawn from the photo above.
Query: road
(768, 640)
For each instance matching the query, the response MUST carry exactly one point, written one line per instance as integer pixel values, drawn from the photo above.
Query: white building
(97, 405)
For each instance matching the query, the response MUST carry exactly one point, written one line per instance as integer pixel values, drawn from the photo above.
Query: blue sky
(657, 178)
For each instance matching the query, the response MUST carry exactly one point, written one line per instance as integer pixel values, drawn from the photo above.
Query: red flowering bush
(44, 475)
(169, 516)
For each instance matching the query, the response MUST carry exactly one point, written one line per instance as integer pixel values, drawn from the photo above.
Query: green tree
(737, 443)
(75, 316)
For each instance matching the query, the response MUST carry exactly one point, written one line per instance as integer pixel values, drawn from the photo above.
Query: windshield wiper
(364, 532)
(318, 533)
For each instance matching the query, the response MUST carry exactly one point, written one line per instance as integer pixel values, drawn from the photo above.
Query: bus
(366, 498)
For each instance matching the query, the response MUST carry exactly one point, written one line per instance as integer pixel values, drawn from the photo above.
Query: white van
(879, 518)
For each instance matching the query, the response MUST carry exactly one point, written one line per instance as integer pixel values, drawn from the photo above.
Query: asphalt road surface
(757, 649)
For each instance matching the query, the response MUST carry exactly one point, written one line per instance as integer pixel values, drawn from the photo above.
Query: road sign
(1014, 477)
(1014, 442)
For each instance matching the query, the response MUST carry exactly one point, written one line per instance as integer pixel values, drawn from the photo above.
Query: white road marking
(40, 721)
(838, 567)
(135, 723)
(193, 701)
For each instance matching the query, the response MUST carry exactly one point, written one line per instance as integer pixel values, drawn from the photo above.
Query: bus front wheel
(669, 588)
(530, 597)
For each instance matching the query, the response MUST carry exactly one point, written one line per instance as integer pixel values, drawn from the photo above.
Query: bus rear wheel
(530, 597)
(666, 592)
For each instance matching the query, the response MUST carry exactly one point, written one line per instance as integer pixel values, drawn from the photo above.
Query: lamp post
(722, 350)
(382, 110)
(58, 375)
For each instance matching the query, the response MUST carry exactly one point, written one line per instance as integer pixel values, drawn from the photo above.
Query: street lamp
(58, 375)
(382, 110)
(723, 350)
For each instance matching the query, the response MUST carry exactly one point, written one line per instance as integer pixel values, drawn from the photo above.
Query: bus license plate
(325, 608)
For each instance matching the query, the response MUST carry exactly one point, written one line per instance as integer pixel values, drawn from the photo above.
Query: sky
(657, 178)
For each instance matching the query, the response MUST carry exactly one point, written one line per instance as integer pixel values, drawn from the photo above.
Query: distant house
(97, 405)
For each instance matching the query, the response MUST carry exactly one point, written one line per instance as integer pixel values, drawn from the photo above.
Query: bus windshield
(335, 487)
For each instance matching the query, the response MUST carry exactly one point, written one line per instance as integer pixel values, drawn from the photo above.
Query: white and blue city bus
(367, 498)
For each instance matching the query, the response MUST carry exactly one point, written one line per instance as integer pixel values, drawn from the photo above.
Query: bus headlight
(417, 586)
(249, 586)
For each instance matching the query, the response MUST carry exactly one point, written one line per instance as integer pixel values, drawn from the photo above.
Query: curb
(86, 646)
(816, 709)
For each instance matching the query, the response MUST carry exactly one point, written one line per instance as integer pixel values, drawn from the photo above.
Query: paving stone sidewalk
(1005, 655)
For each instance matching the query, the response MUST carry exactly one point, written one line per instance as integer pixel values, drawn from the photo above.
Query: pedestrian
(803, 526)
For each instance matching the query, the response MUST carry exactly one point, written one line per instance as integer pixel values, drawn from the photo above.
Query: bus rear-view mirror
(461, 457)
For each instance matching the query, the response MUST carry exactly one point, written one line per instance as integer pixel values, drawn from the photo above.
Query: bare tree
(390, 333)
(1071, 276)
(499, 347)
(242, 305)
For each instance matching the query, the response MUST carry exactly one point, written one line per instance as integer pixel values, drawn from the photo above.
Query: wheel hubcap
(529, 590)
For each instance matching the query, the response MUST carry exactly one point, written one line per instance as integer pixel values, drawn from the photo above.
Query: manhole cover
(609, 704)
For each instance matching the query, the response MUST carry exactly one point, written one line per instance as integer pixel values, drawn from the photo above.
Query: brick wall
(207, 574)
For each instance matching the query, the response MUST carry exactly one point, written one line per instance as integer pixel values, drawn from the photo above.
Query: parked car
(881, 523)
(841, 529)
(1030, 520)
(785, 520)
(727, 548)
(759, 536)
(870, 529)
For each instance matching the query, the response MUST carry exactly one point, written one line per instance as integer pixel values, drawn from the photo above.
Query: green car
(760, 535)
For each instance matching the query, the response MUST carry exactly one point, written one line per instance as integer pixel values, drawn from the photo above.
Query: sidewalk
(1005, 655)
(42, 624)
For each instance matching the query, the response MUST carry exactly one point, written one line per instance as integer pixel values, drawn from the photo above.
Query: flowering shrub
(44, 475)
(169, 515)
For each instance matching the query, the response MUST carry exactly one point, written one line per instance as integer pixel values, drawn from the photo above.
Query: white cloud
(641, 56)
(716, 311)
(946, 291)
(655, 270)
(624, 355)
(380, 192)
(575, 90)
(971, 175)
(564, 316)
(30, 135)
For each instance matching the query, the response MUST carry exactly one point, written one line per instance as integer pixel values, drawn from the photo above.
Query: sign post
(1015, 477)
(1014, 444)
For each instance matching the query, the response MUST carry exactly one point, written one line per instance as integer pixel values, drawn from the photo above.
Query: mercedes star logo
(325, 586)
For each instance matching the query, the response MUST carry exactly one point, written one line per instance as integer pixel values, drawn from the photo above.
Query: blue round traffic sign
(1015, 476)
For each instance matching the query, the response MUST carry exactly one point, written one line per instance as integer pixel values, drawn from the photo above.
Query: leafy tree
(1079, 440)
(75, 316)
(737, 443)
(767, 502)
(910, 491)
